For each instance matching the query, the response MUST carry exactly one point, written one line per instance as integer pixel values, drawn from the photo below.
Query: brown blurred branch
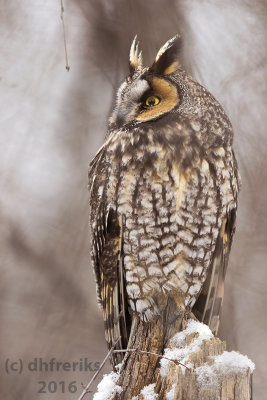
(64, 34)
(150, 353)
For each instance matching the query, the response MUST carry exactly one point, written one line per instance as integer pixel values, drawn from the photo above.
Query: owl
(163, 198)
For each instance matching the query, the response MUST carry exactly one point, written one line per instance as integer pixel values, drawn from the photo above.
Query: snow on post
(194, 366)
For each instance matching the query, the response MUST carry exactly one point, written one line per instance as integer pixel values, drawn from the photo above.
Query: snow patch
(231, 361)
(118, 367)
(192, 327)
(180, 351)
(107, 387)
(148, 392)
(206, 376)
(225, 363)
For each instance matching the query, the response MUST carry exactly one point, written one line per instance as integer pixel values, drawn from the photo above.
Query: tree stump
(182, 361)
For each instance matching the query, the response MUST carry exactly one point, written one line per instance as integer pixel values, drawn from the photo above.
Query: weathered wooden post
(192, 365)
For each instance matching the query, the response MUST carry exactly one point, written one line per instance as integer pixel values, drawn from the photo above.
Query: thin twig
(86, 389)
(64, 34)
(149, 352)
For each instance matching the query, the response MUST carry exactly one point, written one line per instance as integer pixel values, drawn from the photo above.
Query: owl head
(148, 92)
(164, 95)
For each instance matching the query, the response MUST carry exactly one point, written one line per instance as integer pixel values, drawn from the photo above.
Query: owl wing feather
(208, 306)
(108, 264)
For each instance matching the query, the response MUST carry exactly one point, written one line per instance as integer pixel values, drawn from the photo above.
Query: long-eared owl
(163, 197)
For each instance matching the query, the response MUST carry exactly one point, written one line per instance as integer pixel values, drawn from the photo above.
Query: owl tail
(113, 293)
(208, 306)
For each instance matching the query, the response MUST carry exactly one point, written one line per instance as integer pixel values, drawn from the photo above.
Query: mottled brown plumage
(163, 196)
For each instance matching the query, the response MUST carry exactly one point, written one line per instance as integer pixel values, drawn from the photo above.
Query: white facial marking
(139, 89)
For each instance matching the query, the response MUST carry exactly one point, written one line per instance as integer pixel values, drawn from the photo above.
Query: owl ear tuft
(166, 61)
(135, 58)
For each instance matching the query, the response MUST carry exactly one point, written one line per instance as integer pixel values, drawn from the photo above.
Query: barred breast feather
(159, 225)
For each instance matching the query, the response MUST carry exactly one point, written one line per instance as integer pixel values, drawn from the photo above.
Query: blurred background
(51, 124)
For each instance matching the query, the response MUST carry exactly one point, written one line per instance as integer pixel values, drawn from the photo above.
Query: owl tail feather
(116, 316)
(208, 306)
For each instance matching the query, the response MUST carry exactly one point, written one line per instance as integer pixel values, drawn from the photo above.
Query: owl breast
(170, 212)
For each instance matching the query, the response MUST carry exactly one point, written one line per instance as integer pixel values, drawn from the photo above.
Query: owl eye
(152, 101)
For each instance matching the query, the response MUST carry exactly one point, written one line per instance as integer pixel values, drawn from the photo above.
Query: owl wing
(107, 239)
(208, 306)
